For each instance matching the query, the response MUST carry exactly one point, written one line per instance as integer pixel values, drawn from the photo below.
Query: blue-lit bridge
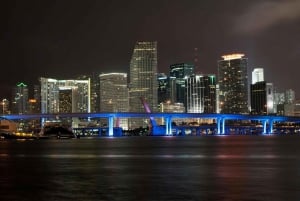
(267, 122)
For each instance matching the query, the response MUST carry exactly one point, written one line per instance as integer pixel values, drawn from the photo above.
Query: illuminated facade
(290, 96)
(37, 98)
(143, 79)
(163, 88)
(4, 106)
(94, 90)
(262, 98)
(257, 75)
(201, 94)
(233, 84)
(33, 106)
(178, 75)
(20, 99)
(114, 95)
(57, 94)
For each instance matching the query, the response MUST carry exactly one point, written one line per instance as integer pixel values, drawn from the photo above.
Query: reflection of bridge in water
(221, 126)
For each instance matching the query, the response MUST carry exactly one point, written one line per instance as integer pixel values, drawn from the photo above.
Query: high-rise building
(20, 99)
(95, 92)
(210, 93)
(178, 75)
(143, 79)
(201, 94)
(262, 98)
(163, 88)
(290, 96)
(4, 106)
(36, 102)
(257, 75)
(57, 94)
(113, 92)
(114, 95)
(233, 84)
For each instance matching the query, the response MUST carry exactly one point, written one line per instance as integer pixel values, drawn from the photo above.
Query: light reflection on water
(180, 156)
(152, 168)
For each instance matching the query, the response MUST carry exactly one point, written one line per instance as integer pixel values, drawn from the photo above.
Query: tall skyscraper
(113, 92)
(37, 98)
(233, 84)
(201, 94)
(262, 98)
(114, 95)
(257, 75)
(4, 106)
(178, 75)
(290, 96)
(163, 88)
(57, 94)
(20, 99)
(94, 91)
(143, 79)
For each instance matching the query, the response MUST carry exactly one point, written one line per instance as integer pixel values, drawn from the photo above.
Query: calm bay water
(214, 168)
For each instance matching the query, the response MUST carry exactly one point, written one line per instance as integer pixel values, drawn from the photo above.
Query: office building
(262, 98)
(201, 94)
(20, 99)
(257, 75)
(5, 106)
(114, 95)
(178, 75)
(290, 96)
(163, 88)
(143, 79)
(60, 96)
(233, 84)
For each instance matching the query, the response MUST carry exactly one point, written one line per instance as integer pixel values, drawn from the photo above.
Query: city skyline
(61, 40)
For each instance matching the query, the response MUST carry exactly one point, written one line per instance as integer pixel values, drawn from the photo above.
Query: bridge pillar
(271, 126)
(265, 126)
(168, 121)
(110, 126)
(221, 125)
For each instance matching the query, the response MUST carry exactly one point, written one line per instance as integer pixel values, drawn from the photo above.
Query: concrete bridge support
(110, 126)
(221, 125)
(168, 121)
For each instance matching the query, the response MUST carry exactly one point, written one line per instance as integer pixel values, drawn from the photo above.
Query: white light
(232, 56)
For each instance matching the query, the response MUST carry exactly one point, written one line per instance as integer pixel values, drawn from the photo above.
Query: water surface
(152, 168)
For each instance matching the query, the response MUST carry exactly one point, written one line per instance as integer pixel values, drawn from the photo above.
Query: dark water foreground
(213, 168)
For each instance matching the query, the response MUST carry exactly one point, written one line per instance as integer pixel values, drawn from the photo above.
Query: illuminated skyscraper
(257, 75)
(178, 76)
(163, 88)
(143, 78)
(290, 96)
(201, 94)
(114, 94)
(20, 99)
(57, 94)
(94, 91)
(233, 84)
(262, 98)
(4, 106)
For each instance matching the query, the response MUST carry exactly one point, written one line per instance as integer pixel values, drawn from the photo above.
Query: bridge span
(267, 121)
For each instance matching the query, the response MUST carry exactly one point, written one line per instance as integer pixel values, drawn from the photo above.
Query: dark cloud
(64, 39)
(266, 14)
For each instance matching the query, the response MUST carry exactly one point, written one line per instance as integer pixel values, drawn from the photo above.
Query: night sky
(63, 39)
